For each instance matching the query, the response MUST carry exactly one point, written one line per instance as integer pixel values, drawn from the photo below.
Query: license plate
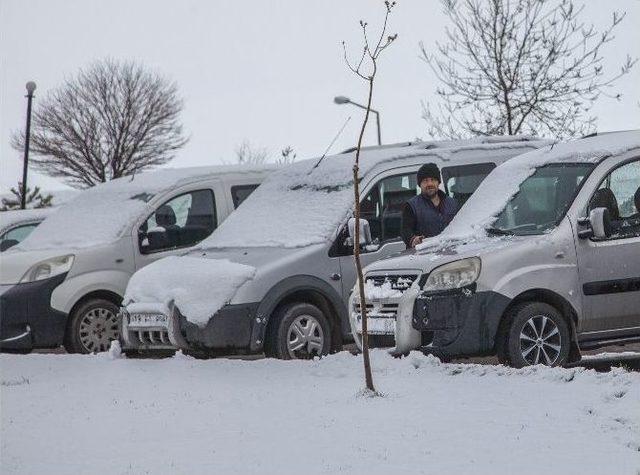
(377, 325)
(145, 320)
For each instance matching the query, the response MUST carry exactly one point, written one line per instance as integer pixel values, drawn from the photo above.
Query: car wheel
(92, 326)
(298, 331)
(534, 333)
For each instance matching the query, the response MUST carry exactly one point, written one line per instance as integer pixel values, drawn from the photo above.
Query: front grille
(386, 310)
(151, 338)
(398, 282)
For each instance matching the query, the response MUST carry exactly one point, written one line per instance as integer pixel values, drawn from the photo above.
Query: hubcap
(305, 338)
(540, 341)
(98, 328)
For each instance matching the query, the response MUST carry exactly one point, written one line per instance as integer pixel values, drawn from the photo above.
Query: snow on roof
(102, 214)
(303, 204)
(13, 217)
(504, 182)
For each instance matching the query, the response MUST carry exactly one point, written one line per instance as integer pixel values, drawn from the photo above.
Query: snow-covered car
(543, 262)
(16, 225)
(276, 276)
(64, 283)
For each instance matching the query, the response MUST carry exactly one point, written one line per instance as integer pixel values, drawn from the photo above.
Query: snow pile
(304, 204)
(103, 213)
(503, 183)
(181, 415)
(199, 290)
(379, 292)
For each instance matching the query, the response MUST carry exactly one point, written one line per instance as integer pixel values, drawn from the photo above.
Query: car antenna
(331, 144)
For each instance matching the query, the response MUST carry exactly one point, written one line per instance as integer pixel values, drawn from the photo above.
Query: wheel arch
(549, 297)
(305, 289)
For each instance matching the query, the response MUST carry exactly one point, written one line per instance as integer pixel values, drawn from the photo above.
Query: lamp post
(345, 100)
(31, 86)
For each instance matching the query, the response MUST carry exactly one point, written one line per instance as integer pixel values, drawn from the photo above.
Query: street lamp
(345, 100)
(31, 86)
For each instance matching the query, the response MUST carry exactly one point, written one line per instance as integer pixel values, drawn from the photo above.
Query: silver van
(276, 276)
(543, 262)
(64, 283)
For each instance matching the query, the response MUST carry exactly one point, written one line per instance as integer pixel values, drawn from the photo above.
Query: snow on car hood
(198, 287)
(13, 217)
(504, 181)
(303, 204)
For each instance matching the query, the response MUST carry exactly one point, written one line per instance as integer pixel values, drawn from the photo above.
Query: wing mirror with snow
(598, 222)
(365, 232)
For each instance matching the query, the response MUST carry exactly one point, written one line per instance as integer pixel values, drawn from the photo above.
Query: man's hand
(415, 240)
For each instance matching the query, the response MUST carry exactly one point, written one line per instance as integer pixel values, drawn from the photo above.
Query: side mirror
(599, 222)
(156, 238)
(365, 232)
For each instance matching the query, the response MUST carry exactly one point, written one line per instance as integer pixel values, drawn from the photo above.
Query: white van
(63, 284)
(277, 275)
(544, 262)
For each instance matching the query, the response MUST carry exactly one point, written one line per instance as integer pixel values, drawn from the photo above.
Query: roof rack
(597, 134)
(382, 147)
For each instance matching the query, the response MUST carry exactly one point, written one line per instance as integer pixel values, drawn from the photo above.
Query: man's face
(429, 187)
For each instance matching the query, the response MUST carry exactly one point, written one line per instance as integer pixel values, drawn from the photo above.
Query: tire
(92, 326)
(534, 333)
(298, 331)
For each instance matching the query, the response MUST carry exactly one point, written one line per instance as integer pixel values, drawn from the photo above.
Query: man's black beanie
(429, 170)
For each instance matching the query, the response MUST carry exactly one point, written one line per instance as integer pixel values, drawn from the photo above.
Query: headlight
(49, 268)
(454, 275)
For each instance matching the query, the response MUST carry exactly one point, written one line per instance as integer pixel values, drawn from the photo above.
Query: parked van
(276, 276)
(16, 225)
(542, 263)
(64, 283)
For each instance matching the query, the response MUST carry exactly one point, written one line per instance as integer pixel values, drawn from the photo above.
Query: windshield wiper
(500, 232)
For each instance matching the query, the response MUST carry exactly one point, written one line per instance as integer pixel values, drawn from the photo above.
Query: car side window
(619, 192)
(384, 203)
(180, 222)
(239, 193)
(461, 181)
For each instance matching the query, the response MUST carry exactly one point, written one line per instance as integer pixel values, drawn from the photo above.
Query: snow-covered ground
(71, 414)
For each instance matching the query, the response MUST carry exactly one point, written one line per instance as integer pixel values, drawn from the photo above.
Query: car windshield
(542, 200)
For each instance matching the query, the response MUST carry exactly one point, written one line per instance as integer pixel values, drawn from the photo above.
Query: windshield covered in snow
(542, 200)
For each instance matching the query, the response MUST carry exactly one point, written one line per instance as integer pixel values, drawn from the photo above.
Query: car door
(182, 220)
(609, 269)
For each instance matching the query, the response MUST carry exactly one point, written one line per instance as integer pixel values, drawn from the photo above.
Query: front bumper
(228, 331)
(463, 322)
(26, 318)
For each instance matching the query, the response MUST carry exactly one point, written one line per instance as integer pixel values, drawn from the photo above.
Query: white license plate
(377, 326)
(144, 320)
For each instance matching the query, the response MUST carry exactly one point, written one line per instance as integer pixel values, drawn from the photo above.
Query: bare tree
(369, 57)
(34, 199)
(247, 154)
(519, 66)
(113, 119)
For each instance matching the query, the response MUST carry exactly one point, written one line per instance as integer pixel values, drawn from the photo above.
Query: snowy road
(70, 414)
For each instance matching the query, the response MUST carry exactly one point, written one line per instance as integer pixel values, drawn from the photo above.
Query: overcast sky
(263, 71)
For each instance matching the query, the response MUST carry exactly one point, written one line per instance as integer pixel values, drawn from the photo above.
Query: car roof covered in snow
(12, 218)
(304, 203)
(504, 182)
(102, 214)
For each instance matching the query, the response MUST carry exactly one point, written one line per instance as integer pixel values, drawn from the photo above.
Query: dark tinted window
(180, 222)
(241, 192)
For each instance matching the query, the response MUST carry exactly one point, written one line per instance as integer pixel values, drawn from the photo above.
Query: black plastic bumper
(463, 322)
(27, 319)
(229, 330)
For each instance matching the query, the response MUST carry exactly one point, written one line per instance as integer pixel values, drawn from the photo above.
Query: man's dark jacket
(421, 218)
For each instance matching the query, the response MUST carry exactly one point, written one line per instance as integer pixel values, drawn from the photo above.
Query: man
(427, 214)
